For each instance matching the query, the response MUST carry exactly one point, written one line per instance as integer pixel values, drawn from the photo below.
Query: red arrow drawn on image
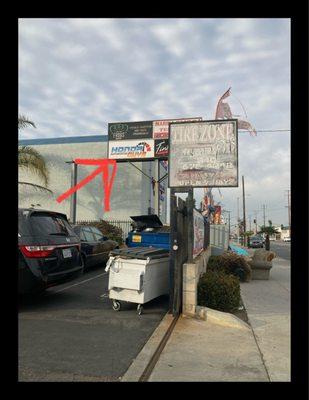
(107, 183)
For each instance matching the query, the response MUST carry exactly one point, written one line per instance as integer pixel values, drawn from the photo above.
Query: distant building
(284, 232)
(132, 192)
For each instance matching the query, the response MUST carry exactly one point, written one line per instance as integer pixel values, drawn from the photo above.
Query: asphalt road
(73, 334)
(282, 249)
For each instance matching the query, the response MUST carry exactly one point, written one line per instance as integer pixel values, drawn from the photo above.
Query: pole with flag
(219, 108)
(223, 111)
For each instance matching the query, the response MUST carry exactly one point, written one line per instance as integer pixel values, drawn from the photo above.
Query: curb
(226, 319)
(139, 364)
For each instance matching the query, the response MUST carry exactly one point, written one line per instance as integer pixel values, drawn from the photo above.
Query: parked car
(287, 239)
(48, 250)
(95, 247)
(256, 242)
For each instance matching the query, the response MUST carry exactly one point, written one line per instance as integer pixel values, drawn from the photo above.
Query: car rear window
(50, 224)
(23, 228)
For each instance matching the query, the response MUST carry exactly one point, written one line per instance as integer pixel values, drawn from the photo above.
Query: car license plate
(66, 253)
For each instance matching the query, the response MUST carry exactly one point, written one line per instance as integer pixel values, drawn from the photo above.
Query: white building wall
(130, 194)
(219, 239)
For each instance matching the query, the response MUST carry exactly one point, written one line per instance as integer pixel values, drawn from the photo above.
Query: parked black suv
(48, 250)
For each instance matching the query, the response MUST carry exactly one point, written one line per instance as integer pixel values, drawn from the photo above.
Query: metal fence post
(74, 195)
(173, 249)
(190, 224)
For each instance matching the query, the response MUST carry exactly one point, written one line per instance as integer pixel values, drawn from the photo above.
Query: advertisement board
(203, 154)
(130, 130)
(198, 230)
(131, 149)
(160, 127)
(155, 133)
(161, 148)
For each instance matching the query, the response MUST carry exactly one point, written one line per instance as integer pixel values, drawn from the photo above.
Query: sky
(77, 75)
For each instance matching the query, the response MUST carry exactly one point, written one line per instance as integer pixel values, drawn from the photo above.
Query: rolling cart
(137, 275)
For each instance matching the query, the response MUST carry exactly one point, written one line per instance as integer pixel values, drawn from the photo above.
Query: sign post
(74, 195)
(190, 224)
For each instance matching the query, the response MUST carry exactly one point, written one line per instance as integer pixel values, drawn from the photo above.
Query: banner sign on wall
(135, 149)
(203, 154)
(198, 230)
(155, 133)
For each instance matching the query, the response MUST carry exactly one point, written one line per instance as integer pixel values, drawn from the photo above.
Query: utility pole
(264, 214)
(244, 208)
(255, 220)
(238, 220)
(250, 223)
(156, 188)
(289, 211)
(74, 195)
(229, 223)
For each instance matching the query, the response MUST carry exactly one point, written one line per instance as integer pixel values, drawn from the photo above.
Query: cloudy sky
(76, 75)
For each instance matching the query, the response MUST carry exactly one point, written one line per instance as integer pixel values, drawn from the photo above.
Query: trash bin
(137, 275)
(149, 231)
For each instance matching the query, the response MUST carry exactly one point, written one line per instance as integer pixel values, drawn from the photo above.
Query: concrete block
(189, 284)
(190, 270)
(201, 312)
(189, 297)
(189, 310)
(260, 273)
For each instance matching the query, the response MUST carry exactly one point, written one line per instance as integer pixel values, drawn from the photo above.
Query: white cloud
(76, 75)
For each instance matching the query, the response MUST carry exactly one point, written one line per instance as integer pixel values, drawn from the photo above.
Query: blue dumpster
(148, 231)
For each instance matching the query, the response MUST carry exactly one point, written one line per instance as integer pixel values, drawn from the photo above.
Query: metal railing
(124, 225)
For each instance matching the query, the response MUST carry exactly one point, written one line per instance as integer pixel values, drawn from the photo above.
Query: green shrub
(219, 291)
(109, 230)
(231, 263)
(237, 265)
(213, 263)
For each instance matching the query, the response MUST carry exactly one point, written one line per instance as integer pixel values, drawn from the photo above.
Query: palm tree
(268, 230)
(31, 159)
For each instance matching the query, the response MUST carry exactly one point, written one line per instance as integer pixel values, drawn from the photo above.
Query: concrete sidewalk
(268, 308)
(223, 348)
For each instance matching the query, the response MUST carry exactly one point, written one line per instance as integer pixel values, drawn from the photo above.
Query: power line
(270, 130)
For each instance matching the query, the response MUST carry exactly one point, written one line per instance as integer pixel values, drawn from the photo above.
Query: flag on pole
(220, 193)
(223, 111)
(219, 106)
(246, 125)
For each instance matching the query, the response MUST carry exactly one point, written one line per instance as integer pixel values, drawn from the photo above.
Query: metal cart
(137, 275)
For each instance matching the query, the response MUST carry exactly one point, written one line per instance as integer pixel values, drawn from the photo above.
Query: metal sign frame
(205, 185)
(145, 138)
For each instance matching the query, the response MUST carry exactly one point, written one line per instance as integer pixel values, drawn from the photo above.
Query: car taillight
(37, 251)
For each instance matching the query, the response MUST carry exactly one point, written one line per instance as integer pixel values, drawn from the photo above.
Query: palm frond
(23, 122)
(31, 159)
(35, 186)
